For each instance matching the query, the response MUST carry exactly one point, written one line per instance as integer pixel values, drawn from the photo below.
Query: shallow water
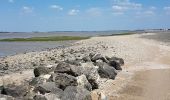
(12, 48)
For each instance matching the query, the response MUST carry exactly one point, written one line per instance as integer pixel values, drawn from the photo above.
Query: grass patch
(50, 38)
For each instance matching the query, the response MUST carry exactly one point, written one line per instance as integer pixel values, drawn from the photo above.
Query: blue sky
(83, 15)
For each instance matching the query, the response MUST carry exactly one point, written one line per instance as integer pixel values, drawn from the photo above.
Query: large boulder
(91, 73)
(49, 87)
(106, 71)
(83, 82)
(64, 80)
(15, 90)
(76, 93)
(116, 62)
(64, 67)
(42, 71)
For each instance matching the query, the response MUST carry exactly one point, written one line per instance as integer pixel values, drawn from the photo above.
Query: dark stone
(118, 60)
(49, 87)
(115, 64)
(106, 71)
(42, 71)
(93, 84)
(39, 97)
(67, 68)
(76, 93)
(15, 91)
(64, 80)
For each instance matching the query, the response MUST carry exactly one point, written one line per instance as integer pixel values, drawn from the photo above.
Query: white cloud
(11, 1)
(94, 11)
(118, 8)
(152, 8)
(73, 12)
(121, 6)
(27, 9)
(56, 7)
(146, 13)
(167, 10)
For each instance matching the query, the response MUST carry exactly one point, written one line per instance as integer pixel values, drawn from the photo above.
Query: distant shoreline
(49, 38)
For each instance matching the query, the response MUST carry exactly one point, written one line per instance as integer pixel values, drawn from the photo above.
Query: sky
(83, 15)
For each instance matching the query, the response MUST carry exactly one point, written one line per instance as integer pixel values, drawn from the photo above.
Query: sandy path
(147, 85)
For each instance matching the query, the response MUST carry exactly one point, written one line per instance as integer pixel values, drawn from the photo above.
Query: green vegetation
(50, 38)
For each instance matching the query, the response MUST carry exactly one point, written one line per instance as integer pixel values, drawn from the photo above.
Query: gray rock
(42, 71)
(74, 62)
(39, 97)
(37, 81)
(64, 80)
(15, 91)
(49, 87)
(96, 57)
(91, 73)
(52, 96)
(86, 59)
(76, 93)
(118, 60)
(6, 97)
(69, 69)
(83, 82)
(106, 71)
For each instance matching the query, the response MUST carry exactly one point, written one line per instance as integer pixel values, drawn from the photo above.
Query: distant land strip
(50, 38)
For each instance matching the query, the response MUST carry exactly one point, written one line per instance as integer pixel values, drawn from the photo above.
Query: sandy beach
(145, 75)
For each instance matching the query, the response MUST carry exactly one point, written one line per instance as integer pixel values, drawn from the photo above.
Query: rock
(96, 57)
(67, 68)
(39, 97)
(74, 62)
(49, 87)
(64, 80)
(86, 59)
(15, 91)
(91, 55)
(91, 73)
(83, 82)
(116, 62)
(76, 93)
(51, 96)
(42, 71)
(106, 71)
(5, 97)
(37, 81)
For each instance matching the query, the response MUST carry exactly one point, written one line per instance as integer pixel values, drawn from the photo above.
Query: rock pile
(67, 80)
